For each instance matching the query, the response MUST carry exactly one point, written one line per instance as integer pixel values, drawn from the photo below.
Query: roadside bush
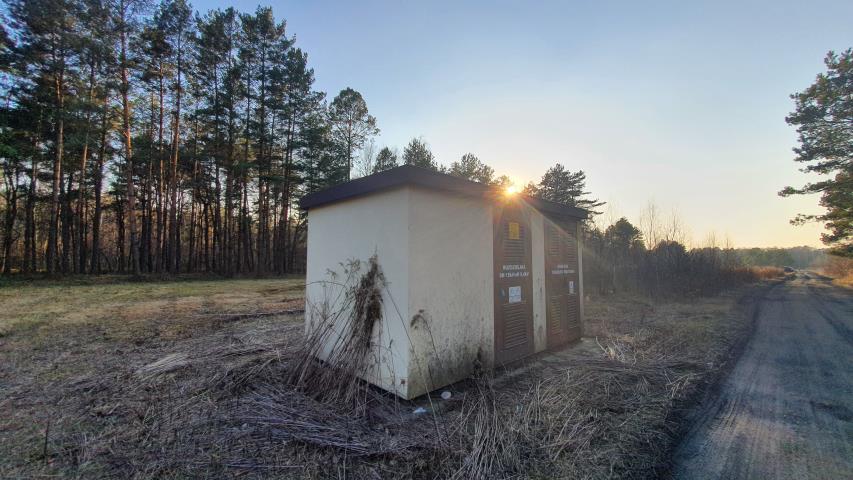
(839, 268)
(669, 269)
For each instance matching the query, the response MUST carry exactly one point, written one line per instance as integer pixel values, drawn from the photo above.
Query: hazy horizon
(683, 105)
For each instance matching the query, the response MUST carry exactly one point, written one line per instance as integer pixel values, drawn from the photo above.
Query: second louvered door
(562, 304)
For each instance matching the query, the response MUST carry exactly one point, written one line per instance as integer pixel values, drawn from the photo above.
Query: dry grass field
(69, 349)
(118, 306)
(195, 378)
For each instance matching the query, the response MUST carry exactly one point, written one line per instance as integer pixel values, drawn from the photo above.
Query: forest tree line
(151, 138)
(653, 258)
(154, 139)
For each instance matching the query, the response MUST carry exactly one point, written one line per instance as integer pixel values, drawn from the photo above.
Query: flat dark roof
(423, 177)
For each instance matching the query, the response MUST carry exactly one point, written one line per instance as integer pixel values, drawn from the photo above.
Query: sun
(511, 190)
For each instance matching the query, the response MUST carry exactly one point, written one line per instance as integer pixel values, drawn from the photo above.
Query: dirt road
(786, 409)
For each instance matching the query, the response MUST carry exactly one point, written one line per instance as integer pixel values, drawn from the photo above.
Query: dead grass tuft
(767, 273)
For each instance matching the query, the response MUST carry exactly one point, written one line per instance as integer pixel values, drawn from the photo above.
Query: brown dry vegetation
(180, 379)
(840, 269)
(766, 273)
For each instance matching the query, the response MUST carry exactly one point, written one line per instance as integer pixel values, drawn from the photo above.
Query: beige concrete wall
(354, 230)
(451, 289)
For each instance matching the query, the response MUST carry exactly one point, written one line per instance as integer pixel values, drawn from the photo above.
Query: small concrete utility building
(473, 276)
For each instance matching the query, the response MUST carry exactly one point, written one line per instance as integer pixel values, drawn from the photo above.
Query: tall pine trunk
(148, 211)
(217, 155)
(11, 179)
(120, 205)
(95, 265)
(128, 149)
(286, 192)
(30, 259)
(59, 146)
(81, 182)
(67, 221)
(161, 195)
(243, 246)
(173, 262)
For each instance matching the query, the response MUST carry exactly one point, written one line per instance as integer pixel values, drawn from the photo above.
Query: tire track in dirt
(785, 411)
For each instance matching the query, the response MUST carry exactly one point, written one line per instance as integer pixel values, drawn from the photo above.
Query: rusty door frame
(522, 216)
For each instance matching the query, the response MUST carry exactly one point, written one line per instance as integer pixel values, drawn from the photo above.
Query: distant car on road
(789, 269)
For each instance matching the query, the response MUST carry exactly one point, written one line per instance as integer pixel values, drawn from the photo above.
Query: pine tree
(385, 160)
(352, 125)
(323, 167)
(153, 52)
(417, 153)
(46, 57)
(824, 120)
(298, 105)
(96, 55)
(213, 50)
(471, 168)
(125, 25)
(175, 20)
(563, 186)
(16, 147)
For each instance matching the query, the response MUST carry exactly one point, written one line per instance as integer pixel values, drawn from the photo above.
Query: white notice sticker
(571, 287)
(514, 294)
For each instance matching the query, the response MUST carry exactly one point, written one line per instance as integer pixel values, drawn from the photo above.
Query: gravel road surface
(786, 408)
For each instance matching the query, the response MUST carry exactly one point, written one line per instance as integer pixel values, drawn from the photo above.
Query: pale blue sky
(675, 102)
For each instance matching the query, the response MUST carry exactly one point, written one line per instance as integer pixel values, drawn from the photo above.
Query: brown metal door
(562, 297)
(513, 284)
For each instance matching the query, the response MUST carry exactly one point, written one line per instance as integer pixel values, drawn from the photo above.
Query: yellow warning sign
(514, 231)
